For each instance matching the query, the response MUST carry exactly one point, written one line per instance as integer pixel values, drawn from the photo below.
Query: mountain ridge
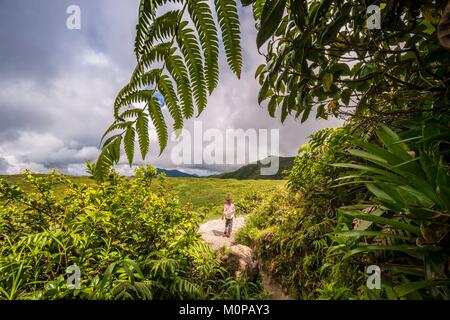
(253, 171)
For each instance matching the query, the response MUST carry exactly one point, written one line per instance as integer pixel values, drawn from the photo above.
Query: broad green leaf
(382, 220)
(270, 19)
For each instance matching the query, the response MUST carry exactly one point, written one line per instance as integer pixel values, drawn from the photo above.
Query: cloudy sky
(57, 86)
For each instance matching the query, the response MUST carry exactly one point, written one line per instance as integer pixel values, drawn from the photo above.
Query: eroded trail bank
(213, 233)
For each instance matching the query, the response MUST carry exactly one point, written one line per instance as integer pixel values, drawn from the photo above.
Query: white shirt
(228, 210)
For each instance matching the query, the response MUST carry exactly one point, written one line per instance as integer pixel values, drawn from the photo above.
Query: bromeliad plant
(406, 220)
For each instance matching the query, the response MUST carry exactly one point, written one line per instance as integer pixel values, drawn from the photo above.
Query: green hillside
(202, 193)
(253, 171)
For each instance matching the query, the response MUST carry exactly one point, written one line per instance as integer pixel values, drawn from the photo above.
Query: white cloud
(96, 59)
(42, 152)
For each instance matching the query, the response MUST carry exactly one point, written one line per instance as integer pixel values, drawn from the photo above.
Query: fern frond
(133, 97)
(158, 120)
(183, 79)
(116, 126)
(132, 291)
(142, 133)
(163, 27)
(109, 156)
(146, 13)
(258, 7)
(128, 143)
(171, 99)
(204, 23)
(163, 266)
(152, 55)
(130, 113)
(178, 71)
(229, 24)
(184, 287)
(191, 50)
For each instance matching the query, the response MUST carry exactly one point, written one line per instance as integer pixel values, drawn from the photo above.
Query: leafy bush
(405, 222)
(386, 203)
(289, 229)
(130, 240)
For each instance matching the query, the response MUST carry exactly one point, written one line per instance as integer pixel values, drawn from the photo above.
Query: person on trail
(228, 215)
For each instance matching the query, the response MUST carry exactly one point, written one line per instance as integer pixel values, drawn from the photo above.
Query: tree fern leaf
(154, 54)
(147, 79)
(128, 143)
(203, 20)
(146, 14)
(109, 156)
(189, 47)
(193, 74)
(159, 123)
(171, 99)
(142, 132)
(116, 126)
(131, 113)
(163, 27)
(231, 35)
(177, 70)
(134, 97)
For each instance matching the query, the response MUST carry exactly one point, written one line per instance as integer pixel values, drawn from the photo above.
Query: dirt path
(273, 288)
(212, 232)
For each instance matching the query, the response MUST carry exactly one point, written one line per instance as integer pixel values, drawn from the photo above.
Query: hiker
(228, 215)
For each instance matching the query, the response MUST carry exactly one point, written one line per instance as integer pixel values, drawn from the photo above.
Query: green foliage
(392, 186)
(190, 191)
(229, 23)
(312, 172)
(175, 60)
(405, 222)
(321, 55)
(130, 238)
(384, 203)
(289, 229)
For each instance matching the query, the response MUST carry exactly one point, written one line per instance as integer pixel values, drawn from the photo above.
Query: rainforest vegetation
(131, 239)
(375, 191)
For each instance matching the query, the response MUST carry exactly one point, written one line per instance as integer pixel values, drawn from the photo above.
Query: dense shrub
(353, 202)
(403, 225)
(290, 229)
(130, 240)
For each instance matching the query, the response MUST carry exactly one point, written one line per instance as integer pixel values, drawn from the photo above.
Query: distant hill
(176, 173)
(253, 171)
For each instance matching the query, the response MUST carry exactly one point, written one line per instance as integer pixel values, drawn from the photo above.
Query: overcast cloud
(57, 86)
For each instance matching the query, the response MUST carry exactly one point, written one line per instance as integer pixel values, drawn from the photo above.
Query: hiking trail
(212, 233)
